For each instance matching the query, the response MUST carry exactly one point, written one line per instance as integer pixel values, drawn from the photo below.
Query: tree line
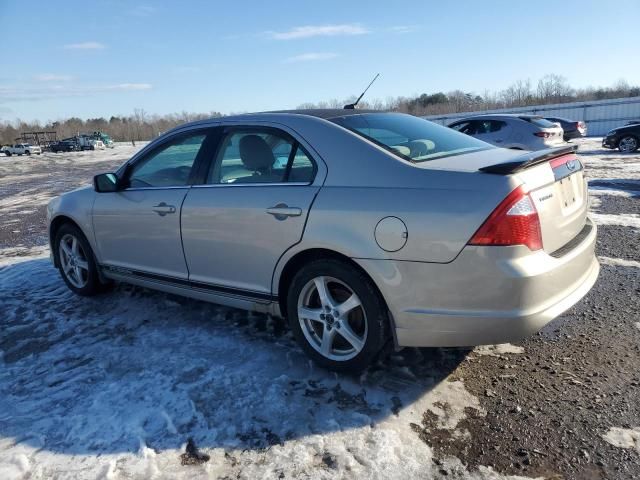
(140, 125)
(549, 89)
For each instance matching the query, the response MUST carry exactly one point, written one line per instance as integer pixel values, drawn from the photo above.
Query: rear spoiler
(529, 160)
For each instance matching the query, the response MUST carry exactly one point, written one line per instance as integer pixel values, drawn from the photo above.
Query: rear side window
(539, 122)
(256, 156)
(409, 137)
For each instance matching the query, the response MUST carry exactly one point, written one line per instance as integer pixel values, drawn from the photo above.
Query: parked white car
(519, 132)
(22, 149)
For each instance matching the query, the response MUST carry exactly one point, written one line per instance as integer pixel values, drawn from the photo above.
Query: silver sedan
(369, 231)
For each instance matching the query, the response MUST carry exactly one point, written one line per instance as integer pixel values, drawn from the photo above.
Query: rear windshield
(409, 137)
(539, 121)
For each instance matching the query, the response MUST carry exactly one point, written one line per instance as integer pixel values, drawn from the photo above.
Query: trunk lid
(557, 185)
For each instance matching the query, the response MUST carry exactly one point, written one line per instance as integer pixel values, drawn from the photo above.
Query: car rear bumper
(487, 295)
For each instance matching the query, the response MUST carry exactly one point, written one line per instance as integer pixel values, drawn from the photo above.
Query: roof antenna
(352, 106)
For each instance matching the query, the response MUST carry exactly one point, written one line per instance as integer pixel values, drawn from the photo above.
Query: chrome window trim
(266, 184)
(173, 187)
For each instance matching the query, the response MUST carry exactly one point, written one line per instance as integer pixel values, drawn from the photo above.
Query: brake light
(543, 134)
(514, 222)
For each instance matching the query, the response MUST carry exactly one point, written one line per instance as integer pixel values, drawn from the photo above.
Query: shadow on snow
(104, 374)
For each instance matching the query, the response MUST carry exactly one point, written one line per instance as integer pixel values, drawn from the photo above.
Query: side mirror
(106, 182)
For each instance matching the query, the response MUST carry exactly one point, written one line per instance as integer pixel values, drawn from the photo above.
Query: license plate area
(570, 192)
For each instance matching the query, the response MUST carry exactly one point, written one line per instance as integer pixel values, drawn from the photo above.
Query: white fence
(599, 115)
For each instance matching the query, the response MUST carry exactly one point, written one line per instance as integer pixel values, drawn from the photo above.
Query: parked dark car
(572, 128)
(63, 146)
(625, 138)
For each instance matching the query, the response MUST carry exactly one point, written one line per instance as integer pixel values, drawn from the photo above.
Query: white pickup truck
(21, 149)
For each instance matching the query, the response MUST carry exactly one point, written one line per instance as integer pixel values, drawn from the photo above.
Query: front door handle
(281, 211)
(163, 209)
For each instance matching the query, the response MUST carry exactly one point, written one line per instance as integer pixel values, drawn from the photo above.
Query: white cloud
(311, 57)
(52, 77)
(403, 29)
(85, 46)
(129, 86)
(21, 94)
(319, 31)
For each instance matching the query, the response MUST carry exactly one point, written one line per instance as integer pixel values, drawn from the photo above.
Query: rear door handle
(282, 211)
(163, 209)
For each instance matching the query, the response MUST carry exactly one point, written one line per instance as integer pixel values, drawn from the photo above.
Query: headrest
(255, 153)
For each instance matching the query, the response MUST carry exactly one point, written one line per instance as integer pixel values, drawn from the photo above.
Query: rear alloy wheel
(628, 144)
(337, 315)
(76, 262)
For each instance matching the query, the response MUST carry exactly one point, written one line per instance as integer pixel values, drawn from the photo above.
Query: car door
(138, 227)
(250, 209)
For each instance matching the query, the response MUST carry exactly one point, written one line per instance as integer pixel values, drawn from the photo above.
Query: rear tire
(345, 324)
(76, 262)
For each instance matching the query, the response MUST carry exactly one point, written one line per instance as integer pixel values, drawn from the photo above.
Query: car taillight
(514, 222)
(543, 134)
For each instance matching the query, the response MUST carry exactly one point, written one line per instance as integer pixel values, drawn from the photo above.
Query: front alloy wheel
(73, 261)
(628, 144)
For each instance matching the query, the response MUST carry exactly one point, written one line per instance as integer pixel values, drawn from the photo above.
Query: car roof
(329, 113)
(275, 115)
(488, 116)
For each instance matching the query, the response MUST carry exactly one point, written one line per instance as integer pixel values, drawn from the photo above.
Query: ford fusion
(368, 231)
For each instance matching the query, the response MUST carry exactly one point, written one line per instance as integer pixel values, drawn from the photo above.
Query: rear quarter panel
(440, 218)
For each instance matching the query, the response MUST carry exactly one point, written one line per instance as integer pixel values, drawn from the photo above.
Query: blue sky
(104, 57)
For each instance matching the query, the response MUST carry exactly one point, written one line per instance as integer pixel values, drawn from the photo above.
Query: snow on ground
(609, 171)
(627, 220)
(618, 262)
(114, 387)
(624, 437)
(14, 171)
(498, 350)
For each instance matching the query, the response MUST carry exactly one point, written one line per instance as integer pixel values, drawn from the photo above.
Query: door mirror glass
(106, 182)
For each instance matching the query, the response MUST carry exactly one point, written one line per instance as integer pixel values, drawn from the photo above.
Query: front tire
(337, 315)
(628, 144)
(76, 261)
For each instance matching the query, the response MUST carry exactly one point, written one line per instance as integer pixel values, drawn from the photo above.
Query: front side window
(170, 166)
(412, 138)
(256, 156)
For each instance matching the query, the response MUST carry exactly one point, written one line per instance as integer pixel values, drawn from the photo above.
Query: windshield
(409, 137)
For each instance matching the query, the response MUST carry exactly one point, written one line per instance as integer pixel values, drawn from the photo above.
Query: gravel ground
(564, 404)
